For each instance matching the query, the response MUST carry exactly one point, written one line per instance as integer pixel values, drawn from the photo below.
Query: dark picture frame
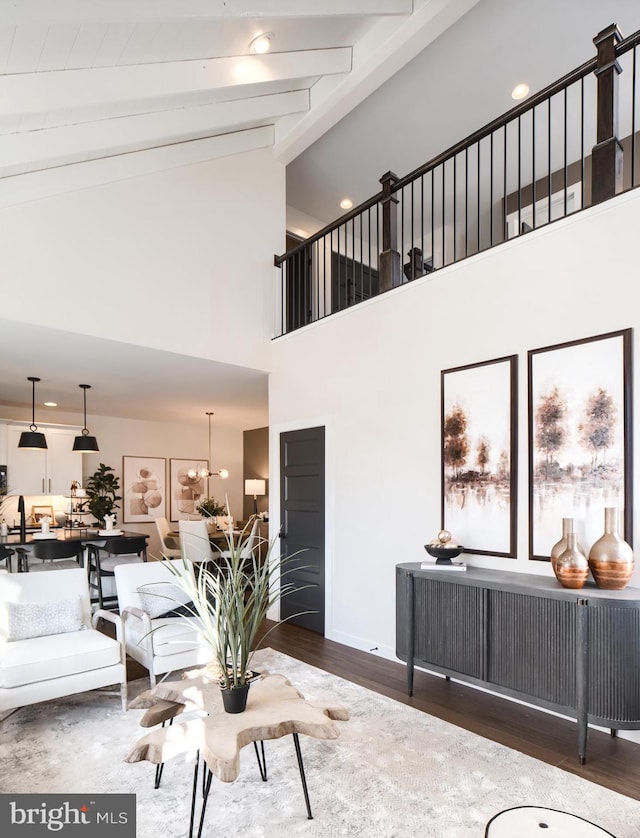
(580, 438)
(479, 465)
(144, 483)
(186, 492)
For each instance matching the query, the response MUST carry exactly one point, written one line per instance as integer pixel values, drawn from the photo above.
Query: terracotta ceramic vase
(611, 558)
(571, 567)
(560, 546)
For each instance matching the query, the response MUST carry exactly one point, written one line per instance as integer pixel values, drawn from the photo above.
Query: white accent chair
(250, 544)
(170, 549)
(194, 541)
(160, 643)
(49, 644)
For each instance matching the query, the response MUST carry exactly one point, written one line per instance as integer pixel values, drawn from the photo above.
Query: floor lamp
(255, 488)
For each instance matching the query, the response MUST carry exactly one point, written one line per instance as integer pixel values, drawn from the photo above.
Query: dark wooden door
(302, 524)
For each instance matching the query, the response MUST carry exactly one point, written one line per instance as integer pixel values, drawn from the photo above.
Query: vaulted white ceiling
(82, 81)
(349, 90)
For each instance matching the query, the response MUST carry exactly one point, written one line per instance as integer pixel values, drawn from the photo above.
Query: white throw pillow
(157, 598)
(22, 620)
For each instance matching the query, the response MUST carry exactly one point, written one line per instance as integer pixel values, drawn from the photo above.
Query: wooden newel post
(606, 158)
(390, 267)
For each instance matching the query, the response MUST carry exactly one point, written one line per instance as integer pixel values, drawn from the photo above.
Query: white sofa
(161, 644)
(49, 644)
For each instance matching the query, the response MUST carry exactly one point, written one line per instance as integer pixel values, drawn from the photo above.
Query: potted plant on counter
(102, 488)
(228, 604)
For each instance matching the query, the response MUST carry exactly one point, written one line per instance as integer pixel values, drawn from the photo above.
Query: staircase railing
(554, 154)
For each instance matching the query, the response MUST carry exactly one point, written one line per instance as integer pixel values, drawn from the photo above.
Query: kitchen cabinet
(43, 472)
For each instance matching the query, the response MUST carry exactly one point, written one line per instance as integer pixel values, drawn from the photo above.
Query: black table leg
(194, 792)
(296, 742)
(160, 765)
(205, 796)
(262, 763)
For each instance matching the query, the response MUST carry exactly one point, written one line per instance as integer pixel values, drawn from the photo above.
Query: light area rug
(394, 771)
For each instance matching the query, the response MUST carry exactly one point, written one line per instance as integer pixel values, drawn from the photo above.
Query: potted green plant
(102, 488)
(210, 508)
(228, 605)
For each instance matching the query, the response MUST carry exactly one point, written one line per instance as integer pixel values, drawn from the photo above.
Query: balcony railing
(552, 155)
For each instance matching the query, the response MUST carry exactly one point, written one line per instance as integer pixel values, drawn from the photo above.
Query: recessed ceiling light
(346, 203)
(520, 91)
(50, 404)
(261, 43)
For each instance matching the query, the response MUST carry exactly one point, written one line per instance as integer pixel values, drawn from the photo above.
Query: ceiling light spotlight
(346, 203)
(520, 91)
(261, 43)
(50, 404)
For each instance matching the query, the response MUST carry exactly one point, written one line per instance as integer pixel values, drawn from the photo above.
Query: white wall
(180, 260)
(372, 375)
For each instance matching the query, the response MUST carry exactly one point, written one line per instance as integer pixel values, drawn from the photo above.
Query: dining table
(86, 535)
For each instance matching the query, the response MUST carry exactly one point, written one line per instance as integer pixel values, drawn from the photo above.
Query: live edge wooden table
(275, 709)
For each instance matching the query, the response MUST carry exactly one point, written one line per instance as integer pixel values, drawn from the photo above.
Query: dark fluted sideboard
(576, 652)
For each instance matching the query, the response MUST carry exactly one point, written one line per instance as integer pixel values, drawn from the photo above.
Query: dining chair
(7, 554)
(56, 555)
(249, 545)
(117, 550)
(169, 546)
(194, 541)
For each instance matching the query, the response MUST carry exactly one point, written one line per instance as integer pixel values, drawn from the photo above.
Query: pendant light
(206, 472)
(32, 438)
(85, 442)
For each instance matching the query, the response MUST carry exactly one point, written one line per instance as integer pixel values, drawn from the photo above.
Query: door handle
(43, 485)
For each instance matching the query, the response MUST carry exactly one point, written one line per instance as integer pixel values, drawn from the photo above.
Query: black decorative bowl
(443, 555)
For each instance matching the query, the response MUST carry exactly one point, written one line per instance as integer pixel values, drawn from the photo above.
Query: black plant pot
(235, 699)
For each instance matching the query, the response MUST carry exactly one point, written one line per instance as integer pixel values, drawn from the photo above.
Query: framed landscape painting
(479, 464)
(187, 490)
(144, 489)
(580, 439)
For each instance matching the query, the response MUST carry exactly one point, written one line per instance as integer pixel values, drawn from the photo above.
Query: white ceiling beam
(47, 148)
(60, 89)
(90, 11)
(45, 184)
(384, 50)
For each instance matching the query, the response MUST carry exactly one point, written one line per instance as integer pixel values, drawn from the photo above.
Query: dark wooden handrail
(371, 261)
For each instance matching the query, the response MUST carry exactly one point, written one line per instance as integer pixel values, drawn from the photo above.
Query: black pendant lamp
(85, 442)
(33, 438)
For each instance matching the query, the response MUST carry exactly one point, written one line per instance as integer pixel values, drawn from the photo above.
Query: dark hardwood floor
(611, 762)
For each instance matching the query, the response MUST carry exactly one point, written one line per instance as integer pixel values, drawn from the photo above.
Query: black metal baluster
(466, 202)
(519, 177)
(565, 152)
(549, 161)
(533, 166)
(633, 117)
(582, 143)
(491, 190)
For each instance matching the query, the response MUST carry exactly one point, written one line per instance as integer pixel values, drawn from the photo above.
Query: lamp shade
(254, 487)
(85, 443)
(32, 439)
